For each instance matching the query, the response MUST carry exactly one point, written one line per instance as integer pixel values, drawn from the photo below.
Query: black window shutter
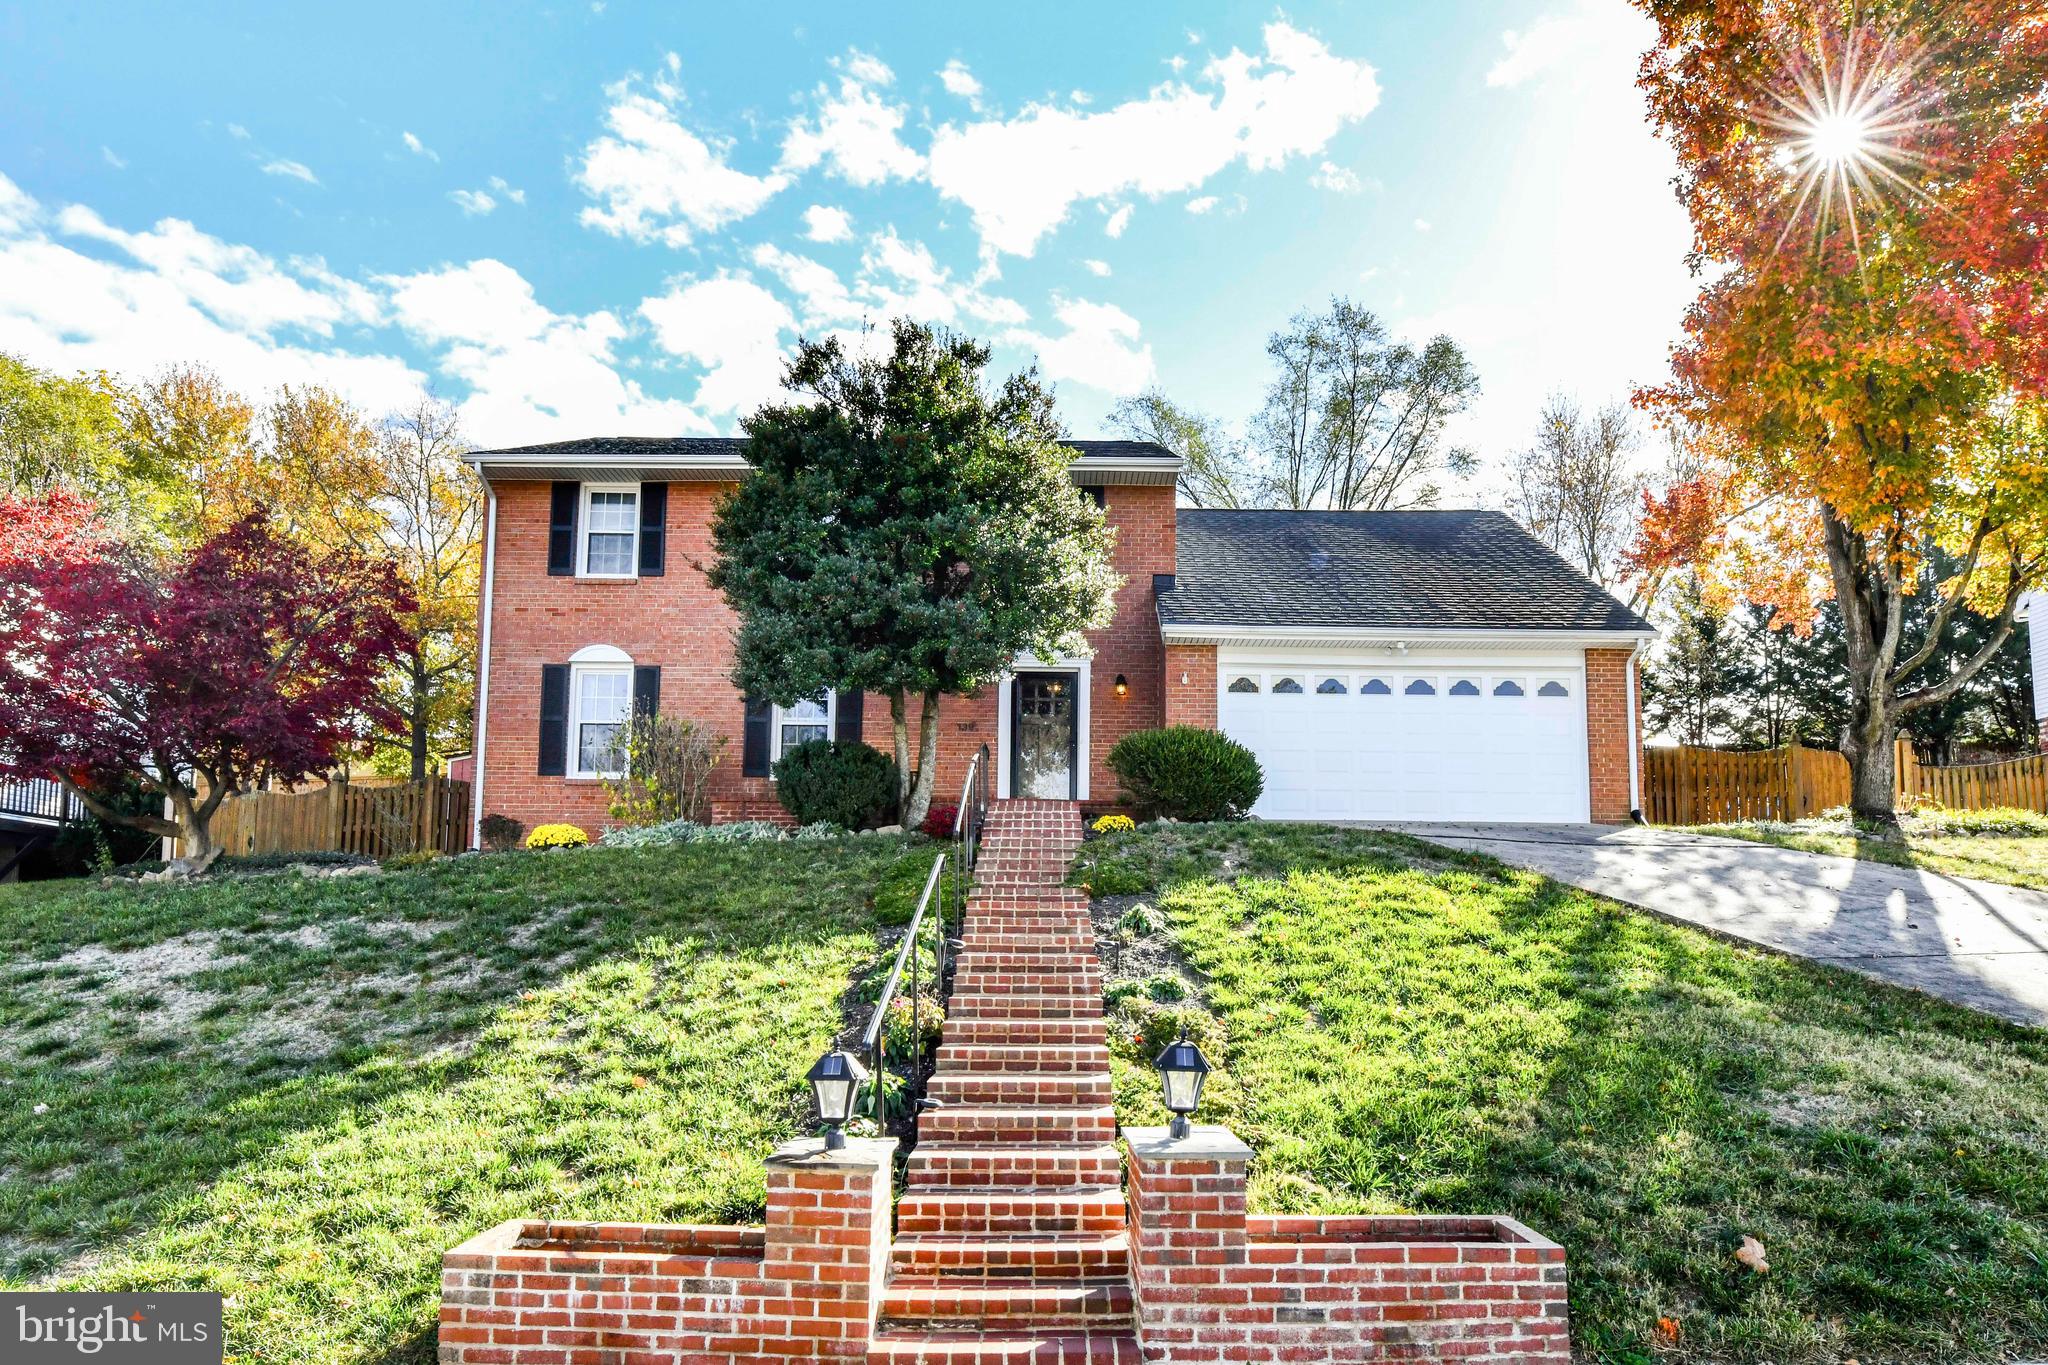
(554, 719)
(846, 724)
(754, 743)
(562, 527)
(653, 529)
(646, 691)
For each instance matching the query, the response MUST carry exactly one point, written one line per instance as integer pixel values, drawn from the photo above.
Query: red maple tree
(1867, 363)
(247, 658)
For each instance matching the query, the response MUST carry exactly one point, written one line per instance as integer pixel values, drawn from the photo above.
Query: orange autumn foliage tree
(1867, 361)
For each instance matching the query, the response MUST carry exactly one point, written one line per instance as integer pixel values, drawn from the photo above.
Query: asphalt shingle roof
(1442, 570)
(632, 447)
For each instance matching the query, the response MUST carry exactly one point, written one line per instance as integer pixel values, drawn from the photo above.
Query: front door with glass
(1043, 735)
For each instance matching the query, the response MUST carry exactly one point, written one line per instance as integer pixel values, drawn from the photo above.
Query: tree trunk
(195, 829)
(1870, 747)
(920, 802)
(901, 726)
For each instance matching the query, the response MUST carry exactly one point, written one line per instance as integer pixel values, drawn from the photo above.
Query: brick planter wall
(804, 1287)
(1216, 1285)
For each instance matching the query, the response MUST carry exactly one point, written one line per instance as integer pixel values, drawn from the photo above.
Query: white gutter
(1635, 739)
(1201, 634)
(483, 670)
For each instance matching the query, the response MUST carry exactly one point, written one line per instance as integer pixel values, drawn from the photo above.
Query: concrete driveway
(1976, 943)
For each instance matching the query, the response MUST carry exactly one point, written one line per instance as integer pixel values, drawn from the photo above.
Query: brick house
(1433, 665)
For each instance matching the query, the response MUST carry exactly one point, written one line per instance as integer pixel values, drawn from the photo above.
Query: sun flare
(1845, 120)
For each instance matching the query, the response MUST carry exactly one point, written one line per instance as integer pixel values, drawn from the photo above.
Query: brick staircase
(1011, 1243)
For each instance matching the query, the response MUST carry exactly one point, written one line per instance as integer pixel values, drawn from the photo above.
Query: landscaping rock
(889, 829)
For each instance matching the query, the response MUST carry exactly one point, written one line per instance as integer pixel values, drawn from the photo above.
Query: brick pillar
(1188, 1237)
(1192, 702)
(828, 1244)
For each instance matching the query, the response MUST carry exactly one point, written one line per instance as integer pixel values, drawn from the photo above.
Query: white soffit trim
(1436, 641)
(568, 465)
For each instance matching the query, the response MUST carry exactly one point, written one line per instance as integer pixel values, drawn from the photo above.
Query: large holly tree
(1865, 366)
(908, 529)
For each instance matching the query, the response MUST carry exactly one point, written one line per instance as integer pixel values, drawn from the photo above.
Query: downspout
(483, 667)
(1635, 743)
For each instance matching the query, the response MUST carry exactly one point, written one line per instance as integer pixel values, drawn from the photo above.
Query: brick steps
(936, 1303)
(1079, 1210)
(1066, 1257)
(1039, 1165)
(976, 1346)
(1011, 1237)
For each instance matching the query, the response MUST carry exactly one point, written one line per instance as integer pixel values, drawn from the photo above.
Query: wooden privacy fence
(1687, 786)
(376, 821)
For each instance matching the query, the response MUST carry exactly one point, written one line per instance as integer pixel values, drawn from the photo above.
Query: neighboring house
(2033, 611)
(1436, 665)
(32, 811)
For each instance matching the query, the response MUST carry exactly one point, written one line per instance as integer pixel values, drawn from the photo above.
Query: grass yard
(2016, 859)
(301, 1091)
(1405, 1027)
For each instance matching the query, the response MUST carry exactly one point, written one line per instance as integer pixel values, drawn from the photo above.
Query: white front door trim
(1082, 669)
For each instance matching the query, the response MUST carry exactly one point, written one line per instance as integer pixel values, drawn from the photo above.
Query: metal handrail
(871, 1042)
(967, 822)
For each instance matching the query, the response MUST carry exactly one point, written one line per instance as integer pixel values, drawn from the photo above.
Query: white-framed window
(809, 719)
(600, 704)
(611, 531)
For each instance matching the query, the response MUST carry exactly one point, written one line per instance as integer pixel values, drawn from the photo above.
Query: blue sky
(613, 218)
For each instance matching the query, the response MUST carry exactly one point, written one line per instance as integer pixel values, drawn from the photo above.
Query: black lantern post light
(1182, 1070)
(836, 1079)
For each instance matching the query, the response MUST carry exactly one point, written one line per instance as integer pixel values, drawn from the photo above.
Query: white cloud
(958, 80)
(186, 298)
(292, 170)
(16, 208)
(1095, 267)
(822, 223)
(238, 132)
(896, 278)
(857, 135)
(731, 327)
(1204, 204)
(1549, 45)
(418, 148)
(473, 203)
(238, 286)
(1118, 221)
(657, 181)
(1340, 179)
(1422, 224)
(1020, 177)
(113, 158)
(510, 194)
(532, 373)
(1099, 348)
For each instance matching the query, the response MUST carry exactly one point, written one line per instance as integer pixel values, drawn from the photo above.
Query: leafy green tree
(1689, 684)
(907, 530)
(1214, 471)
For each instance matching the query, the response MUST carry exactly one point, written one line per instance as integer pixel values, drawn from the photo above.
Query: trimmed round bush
(1185, 773)
(850, 785)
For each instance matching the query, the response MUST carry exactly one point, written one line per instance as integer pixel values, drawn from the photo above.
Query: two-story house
(1425, 665)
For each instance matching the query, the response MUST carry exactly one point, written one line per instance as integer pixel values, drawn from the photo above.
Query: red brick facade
(1608, 730)
(679, 623)
(1214, 1284)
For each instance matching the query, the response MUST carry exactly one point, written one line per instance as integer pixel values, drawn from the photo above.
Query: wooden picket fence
(1688, 786)
(376, 820)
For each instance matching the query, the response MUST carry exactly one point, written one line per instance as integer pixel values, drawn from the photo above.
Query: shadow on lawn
(632, 1058)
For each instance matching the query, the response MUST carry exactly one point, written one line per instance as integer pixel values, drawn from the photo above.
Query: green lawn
(1402, 1027)
(2021, 860)
(300, 1092)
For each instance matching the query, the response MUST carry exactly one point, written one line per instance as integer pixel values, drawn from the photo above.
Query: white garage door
(1363, 741)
